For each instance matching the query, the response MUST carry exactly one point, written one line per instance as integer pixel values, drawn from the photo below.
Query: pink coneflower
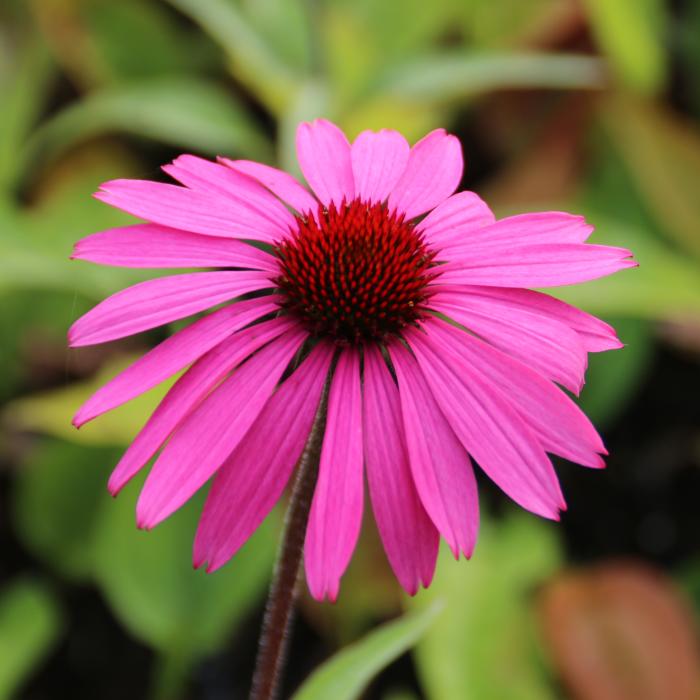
(414, 297)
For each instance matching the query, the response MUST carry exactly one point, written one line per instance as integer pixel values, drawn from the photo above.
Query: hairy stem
(283, 590)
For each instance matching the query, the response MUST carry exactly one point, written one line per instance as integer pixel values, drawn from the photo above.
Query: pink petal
(283, 185)
(159, 301)
(324, 156)
(235, 188)
(378, 161)
(560, 425)
(253, 477)
(213, 430)
(441, 468)
(548, 227)
(543, 343)
(409, 536)
(432, 174)
(336, 510)
(188, 392)
(170, 356)
(454, 220)
(150, 245)
(208, 213)
(536, 265)
(490, 429)
(596, 335)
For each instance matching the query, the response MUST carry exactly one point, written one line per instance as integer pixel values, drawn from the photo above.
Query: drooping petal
(545, 344)
(336, 509)
(441, 468)
(159, 301)
(560, 425)
(213, 430)
(541, 228)
(596, 335)
(432, 174)
(253, 477)
(454, 220)
(491, 430)
(186, 394)
(323, 151)
(537, 265)
(236, 188)
(409, 536)
(378, 161)
(282, 184)
(150, 245)
(172, 355)
(189, 210)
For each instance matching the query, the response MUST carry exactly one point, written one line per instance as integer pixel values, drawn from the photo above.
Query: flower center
(354, 273)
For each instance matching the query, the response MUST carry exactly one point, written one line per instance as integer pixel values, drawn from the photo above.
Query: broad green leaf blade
(630, 32)
(23, 92)
(286, 26)
(29, 626)
(156, 39)
(58, 495)
(484, 645)
(148, 580)
(185, 112)
(346, 675)
(253, 62)
(459, 75)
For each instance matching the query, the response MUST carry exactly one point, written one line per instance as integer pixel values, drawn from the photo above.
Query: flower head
(415, 295)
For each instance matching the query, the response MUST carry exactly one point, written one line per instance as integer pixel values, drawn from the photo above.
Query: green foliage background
(584, 106)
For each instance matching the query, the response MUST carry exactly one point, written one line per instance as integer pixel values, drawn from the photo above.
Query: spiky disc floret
(354, 273)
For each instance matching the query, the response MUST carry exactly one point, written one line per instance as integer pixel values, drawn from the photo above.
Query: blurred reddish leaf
(620, 632)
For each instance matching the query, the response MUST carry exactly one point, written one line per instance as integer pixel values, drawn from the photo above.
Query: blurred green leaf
(503, 23)
(58, 495)
(149, 582)
(613, 377)
(631, 33)
(50, 412)
(24, 90)
(284, 25)
(254, 61)
(29, 626)
(402, 27)
(186, 112)
(688, 576)
(347, 674)
(400, 695)
(662, 156)
(458, 75)
(33, 348)
(155, 40)
(484, 645)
